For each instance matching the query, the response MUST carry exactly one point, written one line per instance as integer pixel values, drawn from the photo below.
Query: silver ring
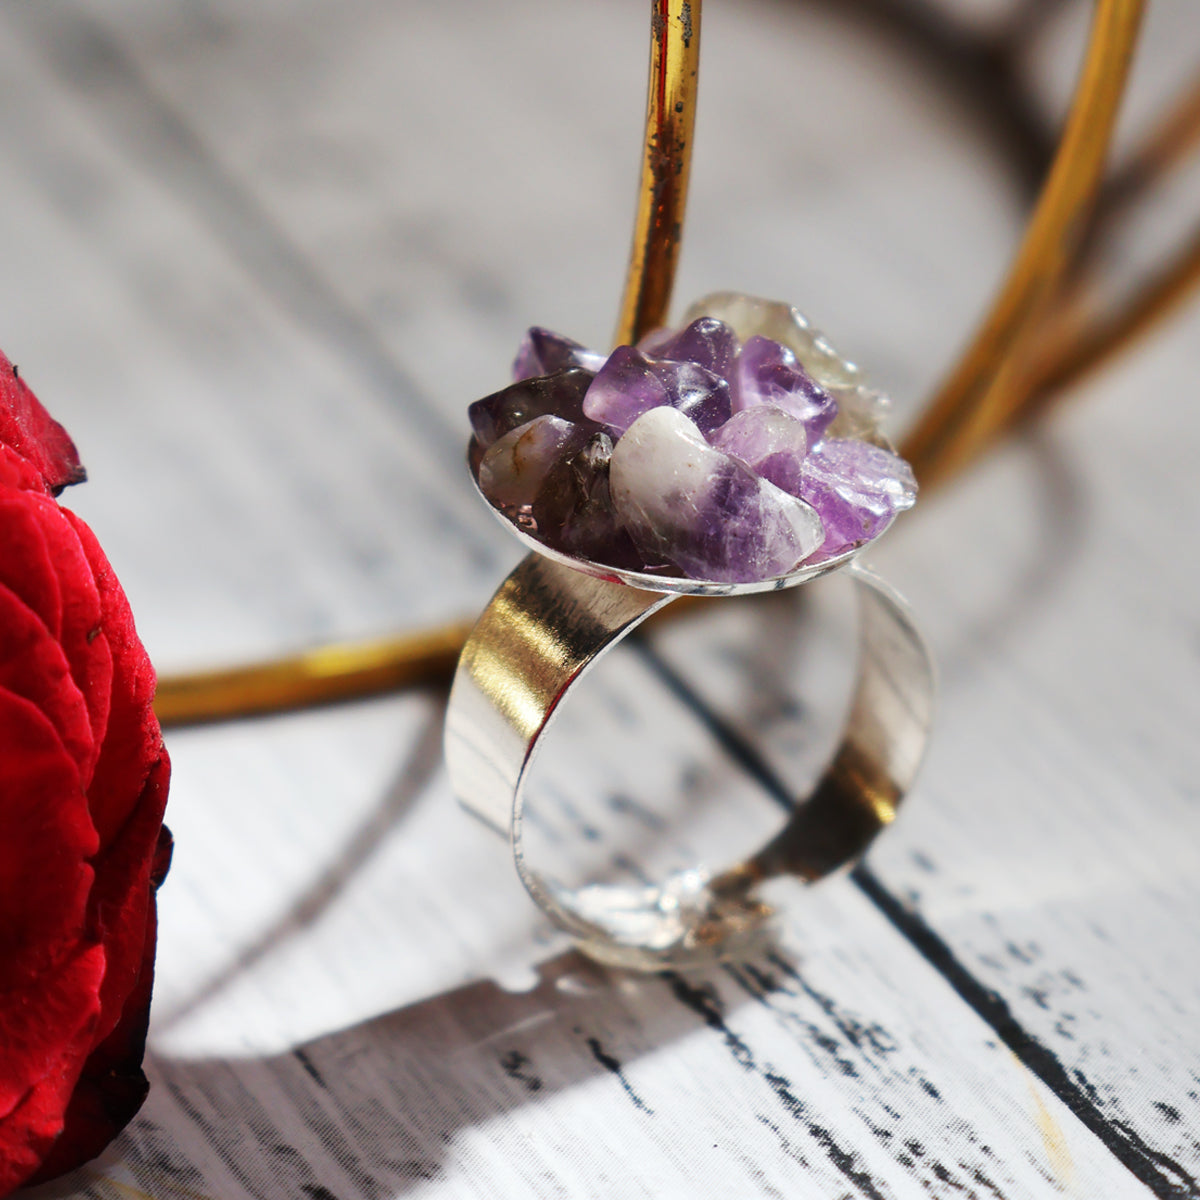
(546, 626)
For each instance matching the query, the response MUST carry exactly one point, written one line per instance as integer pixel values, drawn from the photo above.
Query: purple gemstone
(543, 352)
(553, 395)
(573, 511)
(708, 343)
(769, 441)
(768, 373)
(697, 393)
(607, 459)
(624, 388)
(857, 488)
(703, 510)
(515, 466)
(576, 480)
(631, 384)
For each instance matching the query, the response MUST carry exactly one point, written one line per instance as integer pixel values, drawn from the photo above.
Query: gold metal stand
(666, 167)
(979, 398)
(1034, 344)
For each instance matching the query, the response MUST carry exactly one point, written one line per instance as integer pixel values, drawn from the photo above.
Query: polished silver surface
(544, 629)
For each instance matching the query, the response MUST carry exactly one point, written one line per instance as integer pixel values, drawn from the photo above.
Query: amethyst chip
(559, 395)
(631, 383)
(768, 440)
(857, 488)
(768, 373)
(514, 467)
(707, 342)
(704, 510)
(573, 510)
(703, 451)
(545, 353)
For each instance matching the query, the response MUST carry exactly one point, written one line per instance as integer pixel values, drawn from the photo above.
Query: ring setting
(737, 454)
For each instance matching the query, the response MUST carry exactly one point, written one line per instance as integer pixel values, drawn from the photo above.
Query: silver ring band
(539, 635)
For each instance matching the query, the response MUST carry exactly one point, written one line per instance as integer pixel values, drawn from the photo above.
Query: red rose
(83, 782)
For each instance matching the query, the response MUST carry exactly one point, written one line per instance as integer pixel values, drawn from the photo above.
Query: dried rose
(83, 783)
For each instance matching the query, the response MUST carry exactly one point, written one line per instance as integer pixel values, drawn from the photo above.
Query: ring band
(544, 628)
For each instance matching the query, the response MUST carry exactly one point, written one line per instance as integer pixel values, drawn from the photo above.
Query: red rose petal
(25, 562)
(112, 1085)
(33, 665)
(41, 1022)
(83, 783)
(81, 634)
(46, 839)
(50, 977)
(164, 851)
(17, 472)
(31, 1126)
(133, 741)
(42, 561)
(122, 895)
(34, 434)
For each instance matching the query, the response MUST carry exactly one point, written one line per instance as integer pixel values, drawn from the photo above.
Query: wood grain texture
(258, 259)
(1054, 852)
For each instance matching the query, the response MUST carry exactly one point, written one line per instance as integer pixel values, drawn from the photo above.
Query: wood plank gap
(1164, 1177)
(90, 63)
(1159, 1172)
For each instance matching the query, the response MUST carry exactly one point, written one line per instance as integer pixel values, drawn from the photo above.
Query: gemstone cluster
(735, 449)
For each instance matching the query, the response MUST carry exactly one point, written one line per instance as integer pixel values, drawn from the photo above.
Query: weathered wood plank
(170, 345)
(1052, 846)
(840, 1065)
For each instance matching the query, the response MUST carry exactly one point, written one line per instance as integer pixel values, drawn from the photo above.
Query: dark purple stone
(558, 395)
(697, 393)
(708, 343)
(543, 352)
(573, 512)
(857, 489)
(768, 373)
(630, 384)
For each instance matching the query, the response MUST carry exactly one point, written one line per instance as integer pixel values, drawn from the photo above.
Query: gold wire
(666, 167)
(320, 676)
(1075, 341)
(1082, 350)
(970, 411)
(369, 667)
(1175, 135)
(980, 397)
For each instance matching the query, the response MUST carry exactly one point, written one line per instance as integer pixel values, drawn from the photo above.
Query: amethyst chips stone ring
(737, 454)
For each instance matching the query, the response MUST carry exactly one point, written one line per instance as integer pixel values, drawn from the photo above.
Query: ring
(740, 454)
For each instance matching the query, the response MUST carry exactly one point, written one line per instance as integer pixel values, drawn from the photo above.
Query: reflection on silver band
(544, 628)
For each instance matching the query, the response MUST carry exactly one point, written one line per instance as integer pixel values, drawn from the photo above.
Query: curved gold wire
(979, 398)
(1075, 341)
(977, 402)
(1174, 137)
(340, 671)
(1080, 351)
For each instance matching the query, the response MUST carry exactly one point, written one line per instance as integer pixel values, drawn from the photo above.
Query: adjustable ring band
(542, 631)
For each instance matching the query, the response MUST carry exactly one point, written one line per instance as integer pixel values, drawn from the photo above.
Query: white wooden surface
(258, 258)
